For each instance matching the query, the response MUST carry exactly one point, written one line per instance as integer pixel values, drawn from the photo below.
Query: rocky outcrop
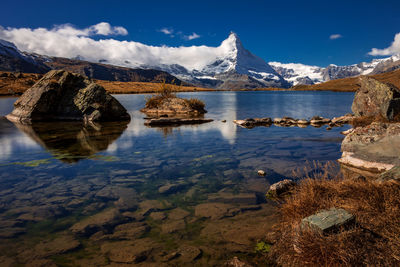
(280, 188)
(62, 95)
(376, 99)
(374, 148)
(315, 121)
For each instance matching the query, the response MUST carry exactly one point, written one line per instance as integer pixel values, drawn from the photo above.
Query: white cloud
(393, 49)
(167, 31)
(104, 28)
(335, 36)
(69, 41)
(192, 36)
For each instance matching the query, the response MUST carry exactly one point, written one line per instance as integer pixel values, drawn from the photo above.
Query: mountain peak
(233, 42)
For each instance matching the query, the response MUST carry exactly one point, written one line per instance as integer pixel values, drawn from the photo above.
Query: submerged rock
(328, 220)
(62, 95)
(261, 173)
(100, 221)
(235, 262)
(376, 99)
(128, 251)
(280, 188)
(59, 245)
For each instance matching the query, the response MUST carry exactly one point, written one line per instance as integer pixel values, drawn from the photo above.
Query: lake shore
(17, 83)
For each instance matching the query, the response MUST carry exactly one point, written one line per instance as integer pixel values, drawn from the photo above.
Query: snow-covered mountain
(232, 66)
(228, 66)
(296, 73)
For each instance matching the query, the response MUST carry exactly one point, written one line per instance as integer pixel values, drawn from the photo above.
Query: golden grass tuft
(374, 240)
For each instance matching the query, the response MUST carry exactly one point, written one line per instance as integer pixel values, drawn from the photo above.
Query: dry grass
(166, 91)
(374, 240)
(144, 87)
(196, 104)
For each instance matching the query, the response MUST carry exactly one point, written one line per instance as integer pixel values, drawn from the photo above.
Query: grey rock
(280, 188)
(261, 172)
(250, 123)
(374, 147)
(375, 98)
(62, 95)
(392, 174)
(328, 220)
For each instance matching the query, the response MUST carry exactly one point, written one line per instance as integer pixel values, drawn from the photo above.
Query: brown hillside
(17, 83)
(350, 84)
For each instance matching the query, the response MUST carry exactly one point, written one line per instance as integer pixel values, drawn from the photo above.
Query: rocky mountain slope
(230, 66)
(12, 59)
(296, 73)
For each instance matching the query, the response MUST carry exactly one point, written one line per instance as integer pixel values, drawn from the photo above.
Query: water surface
(190, 189)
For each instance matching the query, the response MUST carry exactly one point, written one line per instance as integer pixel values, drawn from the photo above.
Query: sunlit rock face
(62, 95)
(72, 141)
(373, 148)
(376, 99)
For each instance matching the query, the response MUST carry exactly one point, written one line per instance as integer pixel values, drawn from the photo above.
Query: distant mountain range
(11, 59)
(297, 74)
(228, 66)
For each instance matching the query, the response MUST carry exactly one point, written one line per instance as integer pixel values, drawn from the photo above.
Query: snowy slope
(297, 73)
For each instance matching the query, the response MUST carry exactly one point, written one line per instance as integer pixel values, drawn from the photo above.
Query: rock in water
(62, 95)
(375, 98)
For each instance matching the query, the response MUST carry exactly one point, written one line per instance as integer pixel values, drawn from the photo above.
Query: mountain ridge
(227, 66)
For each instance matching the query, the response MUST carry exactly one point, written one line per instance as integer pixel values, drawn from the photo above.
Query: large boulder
(375, 147)
(62, 95)
(376, 99)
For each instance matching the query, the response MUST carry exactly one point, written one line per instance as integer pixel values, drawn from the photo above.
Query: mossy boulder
(376, 99)
(62, 95)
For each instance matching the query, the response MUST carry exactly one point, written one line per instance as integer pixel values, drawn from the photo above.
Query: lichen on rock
(62, 95)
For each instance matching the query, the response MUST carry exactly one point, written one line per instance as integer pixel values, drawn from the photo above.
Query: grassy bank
(374, 240)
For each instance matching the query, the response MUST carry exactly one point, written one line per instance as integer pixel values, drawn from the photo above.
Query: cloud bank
(393, 49)
(68, 41)
(335, 36)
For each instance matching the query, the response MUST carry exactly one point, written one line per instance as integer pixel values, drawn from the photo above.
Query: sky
(309, 32)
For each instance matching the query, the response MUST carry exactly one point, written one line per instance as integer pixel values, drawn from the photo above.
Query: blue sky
(285, 31)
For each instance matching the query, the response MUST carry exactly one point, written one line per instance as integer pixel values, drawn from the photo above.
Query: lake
(93, 194)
